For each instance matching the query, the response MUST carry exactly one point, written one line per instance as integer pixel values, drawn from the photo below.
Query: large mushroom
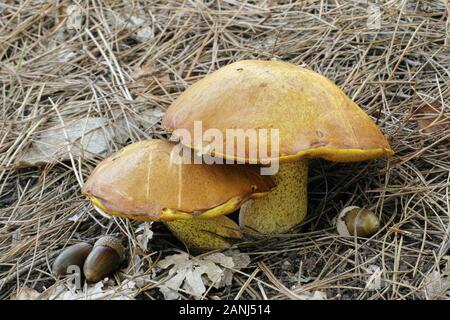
(314, 117)
(145, 181)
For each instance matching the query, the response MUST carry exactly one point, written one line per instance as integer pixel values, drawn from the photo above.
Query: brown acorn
(357, 221)
(73, 255)
(104, 259)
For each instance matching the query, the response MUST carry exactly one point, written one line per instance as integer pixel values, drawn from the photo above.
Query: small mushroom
(104, 259)
(313, 116)
(142, 182)
(355, 221)
(73, 255)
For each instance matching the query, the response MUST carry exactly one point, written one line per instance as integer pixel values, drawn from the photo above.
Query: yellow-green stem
(213, 233)
(284, 207)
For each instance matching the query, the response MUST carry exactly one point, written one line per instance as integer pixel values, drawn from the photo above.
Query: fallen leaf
(193, 281)
(432, 117)
(140, 25)
(25, 294)
(103, 290)
(74, 17)
(146, 236)
(195, 274)
(149, 117)
(85, 137)
(437, 285)
(171, 286)
(374, 281)
(237, 261)
(135, 270)
(220, 258)
(144, 32)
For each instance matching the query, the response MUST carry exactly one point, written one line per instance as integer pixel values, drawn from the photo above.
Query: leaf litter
(187, 274)
(194, 274)
(104, 68)
(85, 138)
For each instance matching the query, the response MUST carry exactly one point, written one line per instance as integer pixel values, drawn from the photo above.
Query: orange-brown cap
(315, 118)
(143, 182)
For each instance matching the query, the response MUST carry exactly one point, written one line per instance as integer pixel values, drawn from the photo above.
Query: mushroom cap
(315, 118)
(143, 182)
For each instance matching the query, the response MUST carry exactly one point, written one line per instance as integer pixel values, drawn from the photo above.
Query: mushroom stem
(212, 233)
(284, 207)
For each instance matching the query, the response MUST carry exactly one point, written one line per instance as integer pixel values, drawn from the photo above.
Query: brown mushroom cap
(315, 118)
(141, 182)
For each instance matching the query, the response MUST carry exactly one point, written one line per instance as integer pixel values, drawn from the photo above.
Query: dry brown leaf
(194, 274)
(84, 137)
(432, 117)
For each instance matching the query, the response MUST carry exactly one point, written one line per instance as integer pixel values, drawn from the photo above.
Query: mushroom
(144, 182)
(314, 117)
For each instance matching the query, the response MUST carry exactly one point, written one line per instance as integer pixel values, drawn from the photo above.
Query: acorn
(355, 221)
(104, 259)
(73, 255)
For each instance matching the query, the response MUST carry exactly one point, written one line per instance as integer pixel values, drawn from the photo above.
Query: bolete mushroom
(314, 118)
(144, 182)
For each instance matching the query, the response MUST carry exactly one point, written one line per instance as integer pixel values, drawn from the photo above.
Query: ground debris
(85, 138)
(194, 274)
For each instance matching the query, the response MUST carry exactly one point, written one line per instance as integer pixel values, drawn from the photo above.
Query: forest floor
(108, 71)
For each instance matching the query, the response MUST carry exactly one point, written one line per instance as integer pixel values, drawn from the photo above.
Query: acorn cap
(315, 118)
(113, 243)
(142, 182)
